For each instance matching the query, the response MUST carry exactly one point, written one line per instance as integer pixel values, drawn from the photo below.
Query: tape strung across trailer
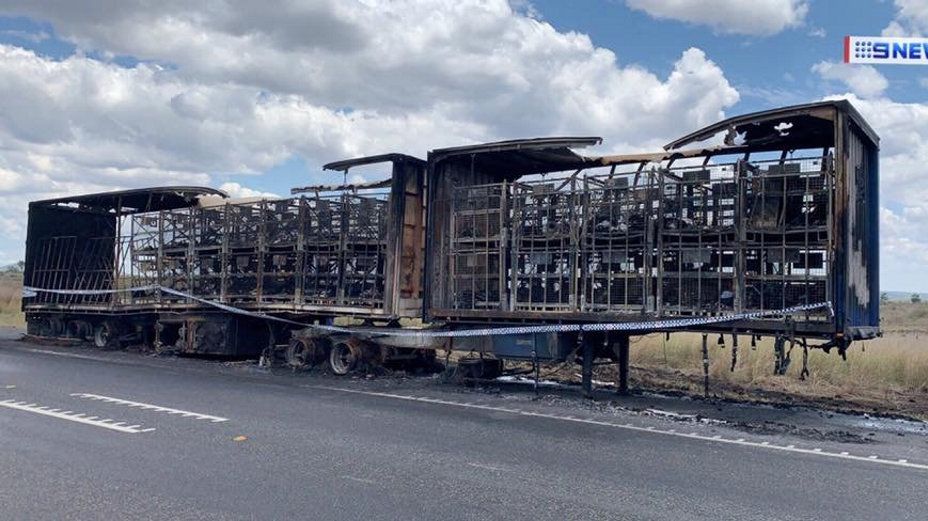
(653, 325)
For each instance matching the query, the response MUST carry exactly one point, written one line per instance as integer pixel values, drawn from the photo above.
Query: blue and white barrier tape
(652, 325)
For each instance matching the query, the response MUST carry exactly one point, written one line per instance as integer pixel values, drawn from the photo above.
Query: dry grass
(10, 299)
(904, 317)
(889, 374)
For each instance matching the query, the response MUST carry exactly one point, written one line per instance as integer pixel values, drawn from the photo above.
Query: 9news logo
(878, 49)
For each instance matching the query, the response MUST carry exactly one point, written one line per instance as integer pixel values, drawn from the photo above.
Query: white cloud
(903, 130)
(237, 191)
(242, 87)
(818, 32)
(473, 60)
(911, 19)
(757, 17)
(863, 80)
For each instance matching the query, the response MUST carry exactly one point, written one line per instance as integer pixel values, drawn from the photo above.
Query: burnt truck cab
(763, 212)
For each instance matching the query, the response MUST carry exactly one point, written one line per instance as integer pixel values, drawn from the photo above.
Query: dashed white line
(486, 467)
(77, 418)
(70, 355)
(628, 426)
(152, 407)
(360, 480)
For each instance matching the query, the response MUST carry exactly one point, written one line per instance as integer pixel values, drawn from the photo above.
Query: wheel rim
(342, 359)
(298, 354)
(102, 336)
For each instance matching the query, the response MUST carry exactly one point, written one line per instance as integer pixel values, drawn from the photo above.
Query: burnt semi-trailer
(724, 229)
(754, 214)
(148, 266)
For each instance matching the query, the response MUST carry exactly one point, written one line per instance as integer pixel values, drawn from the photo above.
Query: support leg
(621, 347)
(705, 364)
(535, 371)
(586, 374)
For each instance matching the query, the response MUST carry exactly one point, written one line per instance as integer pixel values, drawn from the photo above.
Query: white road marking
(78, 418)
(627, 426)
(70, 355)
(361, 480)
(151, 407)
(486, 467)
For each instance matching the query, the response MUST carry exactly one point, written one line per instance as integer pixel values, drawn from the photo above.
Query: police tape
(646, 325)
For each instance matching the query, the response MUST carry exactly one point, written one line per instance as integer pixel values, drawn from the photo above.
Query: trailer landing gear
(621, 349)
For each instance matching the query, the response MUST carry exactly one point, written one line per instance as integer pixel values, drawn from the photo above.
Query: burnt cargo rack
(754, 214)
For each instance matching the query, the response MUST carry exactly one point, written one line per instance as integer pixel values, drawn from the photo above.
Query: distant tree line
(17, 268)
(915, 298)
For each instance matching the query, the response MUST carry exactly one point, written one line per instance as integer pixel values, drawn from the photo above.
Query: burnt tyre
(473, 370)
(37, 326)
(106, 335)
(57, 327)
(304, 353)
(344, 358)
(80, 329)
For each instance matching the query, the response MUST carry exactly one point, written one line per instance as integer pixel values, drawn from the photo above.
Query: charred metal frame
(774, 216)
(324, 252)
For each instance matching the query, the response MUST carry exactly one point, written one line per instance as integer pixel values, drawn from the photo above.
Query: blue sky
(258, 100)
(766, 70)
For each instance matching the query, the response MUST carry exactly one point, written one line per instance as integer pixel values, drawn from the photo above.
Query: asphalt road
(230, 442)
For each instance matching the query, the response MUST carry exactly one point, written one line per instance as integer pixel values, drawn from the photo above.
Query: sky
(253, 97)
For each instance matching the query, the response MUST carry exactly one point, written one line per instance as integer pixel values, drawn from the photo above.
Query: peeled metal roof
(517, 145)
(135, 200)
(345, 164)
(812, 125)
(520, 157)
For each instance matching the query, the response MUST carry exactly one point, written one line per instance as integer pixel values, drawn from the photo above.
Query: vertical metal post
(261, 252)
(622, 348)
(659, 232)
(299, 283)
(224, 257)
(504, 303)
(705, 364)
(117, 254)
(159, 262)
(740, 266)
(586, 376)
(535, 369)
(734, 351)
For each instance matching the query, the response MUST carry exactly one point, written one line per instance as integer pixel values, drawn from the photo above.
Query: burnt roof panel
(136, 200)
(567, 142)
(810, 125)
(515, 158)
(345, 164)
